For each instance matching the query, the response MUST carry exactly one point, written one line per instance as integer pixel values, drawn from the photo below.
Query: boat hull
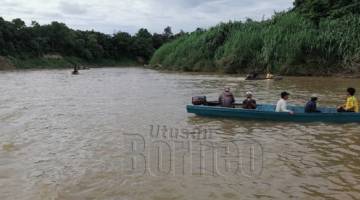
(215, 111)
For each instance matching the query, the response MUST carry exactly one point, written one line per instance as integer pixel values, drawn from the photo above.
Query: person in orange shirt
(352, 104)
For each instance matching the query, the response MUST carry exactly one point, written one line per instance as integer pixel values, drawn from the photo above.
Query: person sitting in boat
(311, 106)
(227, 99)
(249, 102)
(352, 104)
(282, 103)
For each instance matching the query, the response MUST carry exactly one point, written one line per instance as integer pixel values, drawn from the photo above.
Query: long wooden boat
(267, 112)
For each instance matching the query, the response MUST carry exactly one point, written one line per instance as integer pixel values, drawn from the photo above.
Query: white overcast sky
(110, 16)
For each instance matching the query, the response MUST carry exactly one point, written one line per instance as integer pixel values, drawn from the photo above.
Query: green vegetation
(318, 9)
(316, 37)
(29, 46)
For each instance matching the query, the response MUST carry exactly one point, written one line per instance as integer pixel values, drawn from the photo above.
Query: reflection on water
(62, 137)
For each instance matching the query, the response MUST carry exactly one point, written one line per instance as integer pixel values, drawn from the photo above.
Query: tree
(142, 44)
(19, 24)
(168, 32)
(158, 40)
(35, 24)
(122, 42)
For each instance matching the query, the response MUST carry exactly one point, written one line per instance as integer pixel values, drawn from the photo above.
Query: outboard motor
(199, 100)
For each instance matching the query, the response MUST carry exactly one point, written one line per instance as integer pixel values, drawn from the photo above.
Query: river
(95, 136)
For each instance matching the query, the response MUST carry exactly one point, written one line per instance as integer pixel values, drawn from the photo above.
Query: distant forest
(25, 42)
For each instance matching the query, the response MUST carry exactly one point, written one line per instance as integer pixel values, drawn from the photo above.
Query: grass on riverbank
(288, 44)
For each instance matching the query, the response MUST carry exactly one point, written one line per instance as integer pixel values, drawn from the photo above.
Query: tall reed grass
(288, 44)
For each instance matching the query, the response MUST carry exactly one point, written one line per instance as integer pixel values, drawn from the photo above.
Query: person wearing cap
(227, 99)
(352, 104)
(311, 106)
(249, 102)
(282, 103)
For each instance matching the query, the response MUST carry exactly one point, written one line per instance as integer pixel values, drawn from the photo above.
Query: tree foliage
(19, 40)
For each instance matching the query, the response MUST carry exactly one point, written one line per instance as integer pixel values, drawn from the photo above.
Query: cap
(314, 97)
(249, 93)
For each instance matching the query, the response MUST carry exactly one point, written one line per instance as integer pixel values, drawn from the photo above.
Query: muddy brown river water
(123, 133)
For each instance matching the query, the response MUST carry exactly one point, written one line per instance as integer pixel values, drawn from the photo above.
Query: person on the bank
(76, 70)
(227, 99)
(282, 103)
(311, 106)
(352, 104)
(269, 76)
(249, 102)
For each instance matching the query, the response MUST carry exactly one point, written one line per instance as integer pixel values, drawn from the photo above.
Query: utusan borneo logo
(195, 151)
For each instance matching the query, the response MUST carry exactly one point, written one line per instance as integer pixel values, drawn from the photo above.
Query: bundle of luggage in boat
(199, 100)
(202, 100)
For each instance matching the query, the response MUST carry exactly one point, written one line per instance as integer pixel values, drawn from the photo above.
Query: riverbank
(11, 63)
(339, 74)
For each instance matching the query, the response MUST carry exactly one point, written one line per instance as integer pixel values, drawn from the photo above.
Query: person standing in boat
(249, 102)
(282, 104)
(352, 104)
(311, 106)
(227, 99)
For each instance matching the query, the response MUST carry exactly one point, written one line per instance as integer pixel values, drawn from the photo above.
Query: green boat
(267, 112)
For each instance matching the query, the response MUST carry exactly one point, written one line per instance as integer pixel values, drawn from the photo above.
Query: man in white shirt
(282, 104)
